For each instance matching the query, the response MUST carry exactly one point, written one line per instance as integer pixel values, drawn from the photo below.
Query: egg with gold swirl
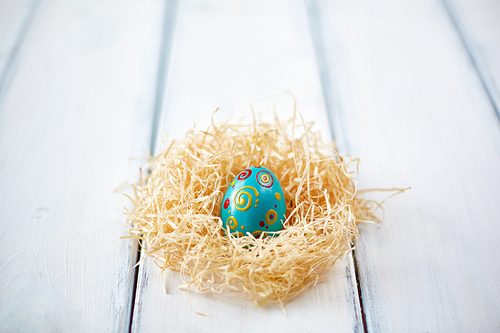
(254, 204)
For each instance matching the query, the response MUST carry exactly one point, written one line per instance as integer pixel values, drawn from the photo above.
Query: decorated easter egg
(254, 203)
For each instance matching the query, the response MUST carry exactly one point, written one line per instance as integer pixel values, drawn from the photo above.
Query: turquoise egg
(254, 203)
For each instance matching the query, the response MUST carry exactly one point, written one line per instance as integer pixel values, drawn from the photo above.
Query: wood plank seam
(469, 45)
(357, 280)
(326, 84)
(18, 46)
(170, 14)
(333, 110)
(171, 9)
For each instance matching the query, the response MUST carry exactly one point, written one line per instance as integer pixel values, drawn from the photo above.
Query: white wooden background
(87, 89)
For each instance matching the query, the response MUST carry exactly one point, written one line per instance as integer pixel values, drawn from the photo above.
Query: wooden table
(88, 88)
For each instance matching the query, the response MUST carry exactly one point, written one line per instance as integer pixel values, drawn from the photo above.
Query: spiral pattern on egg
(265, 179)
(271, 217)
(244, 174)
(243, 198)
(232, 222)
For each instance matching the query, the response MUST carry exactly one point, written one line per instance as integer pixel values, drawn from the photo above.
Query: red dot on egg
(261, 223)
(267, 227)
(226, 203)
(271, 217)
(275, 206)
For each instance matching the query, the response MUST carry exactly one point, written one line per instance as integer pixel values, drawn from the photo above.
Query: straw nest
(176, 210)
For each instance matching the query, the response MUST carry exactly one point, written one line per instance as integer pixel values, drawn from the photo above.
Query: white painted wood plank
(479, 24)
(77, 113)
(249, 51)
(410, 102)
(229, 54)
(16, 17)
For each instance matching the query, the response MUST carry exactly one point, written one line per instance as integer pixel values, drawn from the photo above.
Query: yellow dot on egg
(257, 200)
(242, 227)
(255, 206)
(229, 212)
(278, 196)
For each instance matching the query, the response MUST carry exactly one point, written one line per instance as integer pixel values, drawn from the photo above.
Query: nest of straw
(176, 210)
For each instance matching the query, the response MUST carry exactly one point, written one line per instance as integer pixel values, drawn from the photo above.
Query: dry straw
(176, 210)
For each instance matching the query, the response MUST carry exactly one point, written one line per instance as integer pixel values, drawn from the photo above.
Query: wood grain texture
(229, 54)
(412, 103)
(77, 114)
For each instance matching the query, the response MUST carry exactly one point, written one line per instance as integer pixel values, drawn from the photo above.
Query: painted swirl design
(265, 179)
(271, 217)
(244, 174)
(232, 222)
(243, 198)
